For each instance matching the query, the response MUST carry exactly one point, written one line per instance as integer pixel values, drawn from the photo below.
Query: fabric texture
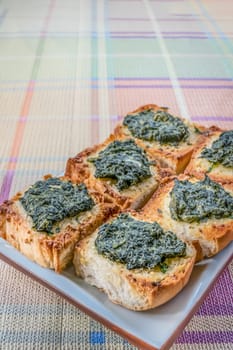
(69, 70)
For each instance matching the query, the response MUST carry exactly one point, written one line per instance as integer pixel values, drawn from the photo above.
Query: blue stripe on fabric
(97, 337)
(3, 16)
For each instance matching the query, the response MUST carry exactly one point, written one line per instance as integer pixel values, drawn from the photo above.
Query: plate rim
(134, 340)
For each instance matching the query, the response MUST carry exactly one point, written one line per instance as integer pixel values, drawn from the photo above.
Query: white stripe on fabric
(170, 66)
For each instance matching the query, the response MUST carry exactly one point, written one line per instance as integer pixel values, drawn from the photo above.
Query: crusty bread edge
(197, 171)
(56, 251)
(220, 234)
(176, 161)
(78, 171)
(151, 294)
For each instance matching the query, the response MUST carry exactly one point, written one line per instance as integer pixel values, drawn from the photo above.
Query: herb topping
(157, 126)
(221, 150)
(49, 202)
(124, 162)
(138, 244)
(195, 202)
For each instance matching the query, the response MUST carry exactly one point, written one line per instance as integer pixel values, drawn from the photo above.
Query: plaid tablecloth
(69, 70)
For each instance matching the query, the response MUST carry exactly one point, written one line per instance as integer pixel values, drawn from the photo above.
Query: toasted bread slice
(137, 288)
(81, 168)
(210, 234)
(200, 165)
(174, 155)
(50, 249)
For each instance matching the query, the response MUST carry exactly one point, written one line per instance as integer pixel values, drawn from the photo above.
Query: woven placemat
(69, 70)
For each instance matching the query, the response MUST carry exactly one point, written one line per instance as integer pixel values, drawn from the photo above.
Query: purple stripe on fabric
(97, 117)
(215, 310)
(188, 19)
(214, 118)
(146, 32)
(150, 0)
(52, 80)
(13, 159)
(113, 35)
(22, 119)
(6, 185)
(220, 300)
(124, 0)
(207, 86)
(166, 0)
(155, 36)
(185, 14)
(129, 19)
(159, 86)
(205, 337)
(168, 79)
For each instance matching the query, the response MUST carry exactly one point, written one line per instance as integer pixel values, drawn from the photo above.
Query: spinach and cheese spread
(221, 150)
(199, 201)
(50, 201)
(124, 162)
(158, 126)
(138, 244)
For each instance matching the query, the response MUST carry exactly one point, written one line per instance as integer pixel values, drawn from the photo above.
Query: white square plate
(154, 329)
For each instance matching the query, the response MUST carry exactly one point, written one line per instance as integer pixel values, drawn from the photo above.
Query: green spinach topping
(199, 201)
(138, 244)
(221, 150)
(50, 201)
(157, 126)
(124, 162)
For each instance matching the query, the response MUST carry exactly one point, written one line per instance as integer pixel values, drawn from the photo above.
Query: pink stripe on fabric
(20, 127)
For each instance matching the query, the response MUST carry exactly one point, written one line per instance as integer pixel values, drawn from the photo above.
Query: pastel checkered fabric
(69, 70)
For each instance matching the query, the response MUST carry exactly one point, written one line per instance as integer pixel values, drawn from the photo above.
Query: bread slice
(175, 156)
(199, 166)
(51, 250)
(209, 235)
(80, 168)
(138, 288)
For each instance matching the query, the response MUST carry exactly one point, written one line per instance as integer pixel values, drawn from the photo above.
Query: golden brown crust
(159, 293)
(138, 289)
(198, 167)
(51, 251)
(208, 237)
(78, 169)
(3, 211)
(174, 157)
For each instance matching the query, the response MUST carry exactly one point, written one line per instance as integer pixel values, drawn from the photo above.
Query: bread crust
(51, 251)
(174, 157)
(78, 169)
(208, 237)
(137, 289)
(198, 167)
